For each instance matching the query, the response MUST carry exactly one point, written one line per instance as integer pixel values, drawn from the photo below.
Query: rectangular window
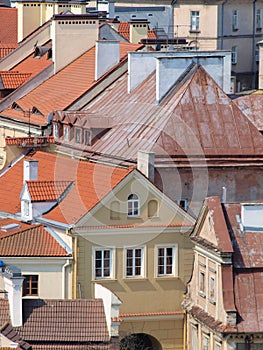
(66, 133)
(258, 19)
(212, 288)
(205, 342)
(257, 54)
(235, 20)
(202, 283)
(194, 339)
(234, 55)
(30, 285)
(103, 267)
(78, 136)
(194, 21)
(26, 208)
(167, 261)
(87, 137)
(134, 262)
(55, 131)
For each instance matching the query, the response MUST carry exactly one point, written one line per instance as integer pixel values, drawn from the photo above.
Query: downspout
(222, 23)
(253, 46)
(185, 328)
(68, 263)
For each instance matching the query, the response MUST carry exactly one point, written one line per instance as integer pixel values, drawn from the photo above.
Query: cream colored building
(224, 25)
(136, 243)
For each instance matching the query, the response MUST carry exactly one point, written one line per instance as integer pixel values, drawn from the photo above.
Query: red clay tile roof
(13, 79)
(65, 87)
(112, 227)
(197, 118)
(50, 321)
(160, 313)
(124, 30)
(31, 241)
(9, 332)
(5, 49)
(151, 34)
(8, 25)
(4, 314)
(92, 182)
(47, 190)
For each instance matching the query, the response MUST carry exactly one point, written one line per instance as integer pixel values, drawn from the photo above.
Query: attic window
(78, 135)
(87, 138)
(17, 107)
(36, 111)
(30, 285)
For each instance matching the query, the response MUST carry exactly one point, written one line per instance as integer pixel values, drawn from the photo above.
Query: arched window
(153, 208)
(115, 210)
(133, 205)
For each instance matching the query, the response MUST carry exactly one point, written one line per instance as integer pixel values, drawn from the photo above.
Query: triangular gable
(146, 190)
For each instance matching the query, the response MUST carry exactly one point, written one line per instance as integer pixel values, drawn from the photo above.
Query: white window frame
(205, 342)
(183, 203)
(133, 206)
(175, 269)
(112, 262)
(66, 133)
(55, 130)
(142, 266)
(87, 139)
(212, 289)
(202, 283)
(234, 55)
(26, 208)
(235, 20)
(195, 21)
(78, 135)
(258, 19)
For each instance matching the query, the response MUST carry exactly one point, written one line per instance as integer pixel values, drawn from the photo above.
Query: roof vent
(10, 227)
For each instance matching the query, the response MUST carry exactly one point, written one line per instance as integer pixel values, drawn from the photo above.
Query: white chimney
(145, 163)
(107, 56)
(223, 194)
(30, 169)
(107, 6)
(13, 280)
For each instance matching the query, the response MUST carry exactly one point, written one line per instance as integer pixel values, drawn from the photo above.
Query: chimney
(223, 195)
(138, 30)
(30, 169)
(145, 163)
(107, 56)
(13, 280)
(107, 6)
(72, 35)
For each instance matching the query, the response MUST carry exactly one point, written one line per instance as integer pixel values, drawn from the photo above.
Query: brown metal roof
(195, 118)
(252, 106)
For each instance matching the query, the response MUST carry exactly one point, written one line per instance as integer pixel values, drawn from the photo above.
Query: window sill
(106, 279)
(202, 294)
(212, 301)
(31, 297)
(166, 277)
(135, 279)
(234, 29)
(197, 31)
(134, 217)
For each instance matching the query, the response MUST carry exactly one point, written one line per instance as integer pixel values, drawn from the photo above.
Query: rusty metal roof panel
(251, 106)
(194, 118)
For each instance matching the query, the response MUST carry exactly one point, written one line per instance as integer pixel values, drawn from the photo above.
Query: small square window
(30, 285)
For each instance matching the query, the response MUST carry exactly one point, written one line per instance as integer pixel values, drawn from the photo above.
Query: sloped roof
(8, 25)
(47, 321)
(251, 106)
(124, 30)
(5, 49)
(32, 240)
(47, 190)
(9, 332)
(4, 314)
(92, 182)
(66, 86)
(195, 118)
(13, 79)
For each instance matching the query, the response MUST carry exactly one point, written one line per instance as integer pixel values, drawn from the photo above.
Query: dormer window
(66, 133)
(87, 138)
(78, 136)
(133, 205)
(26, 208)
(55, 131)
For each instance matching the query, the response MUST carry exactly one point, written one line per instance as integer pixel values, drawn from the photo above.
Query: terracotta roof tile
(124, 30)
(30, 241)
(74, 80)
(79, 228)
(160, 313)
(64, 321)
(5, 49)
(8, 25)
(12, 80)
(69, 346)
(9, 332)
(151, 34)
(92, 182)
(47, 190)
(4, 314)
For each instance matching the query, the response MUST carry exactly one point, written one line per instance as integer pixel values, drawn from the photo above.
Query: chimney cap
(12, 271)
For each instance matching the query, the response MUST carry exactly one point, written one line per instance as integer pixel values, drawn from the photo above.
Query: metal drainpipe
(253, 46)
(222, 23)
(68, 263)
